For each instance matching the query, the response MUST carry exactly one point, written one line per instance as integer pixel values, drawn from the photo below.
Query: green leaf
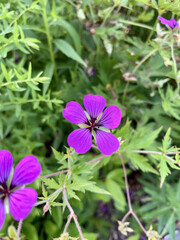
(164, 170)
(57, 154)
(50, 183)
(151, 3)
(48, 73)
(95, 189)
(30, 231)
(169, 5)
(117, 193)
(141, 162)
(72, 32)
(167, 140)
(69, 51)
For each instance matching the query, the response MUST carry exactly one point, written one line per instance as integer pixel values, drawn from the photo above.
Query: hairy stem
(67, 224)
(72, 214)
(95, 160)
(19, 228)
(56, 173)
(129, 199)
(155, 152)
(126, 183)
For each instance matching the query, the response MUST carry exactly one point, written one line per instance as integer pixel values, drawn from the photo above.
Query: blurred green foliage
(48, 52)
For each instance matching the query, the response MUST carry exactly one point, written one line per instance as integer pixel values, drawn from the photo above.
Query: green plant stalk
(152, 31)
(136, 24)
(174, 66)
(49, 40)
(143, 60)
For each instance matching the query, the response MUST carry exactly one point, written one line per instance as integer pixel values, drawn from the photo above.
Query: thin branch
(155, 152)
(95, 160)
(56, 173)
(152, 152)
(19, 228)
(138, 221)
(67, 224)
(52, 195)
(126, 183)
(72, 214)
(129, 199)
(127, 214)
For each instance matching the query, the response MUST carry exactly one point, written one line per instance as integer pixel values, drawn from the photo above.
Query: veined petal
(74, 113)
(21, 202)
(171, 23)
(106, 142)
(26, 171)
(164, 21)
(6, 163)
(174, 23)
(2, 213)
(94, 105)
(111, 117)
(80, 140)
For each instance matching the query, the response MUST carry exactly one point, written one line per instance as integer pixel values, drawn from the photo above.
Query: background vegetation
(52, 52)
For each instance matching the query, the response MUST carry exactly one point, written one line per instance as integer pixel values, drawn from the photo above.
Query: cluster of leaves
(48, 50)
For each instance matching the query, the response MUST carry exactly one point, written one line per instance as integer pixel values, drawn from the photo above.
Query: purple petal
(171, 23)
(94, 105)
(27, 170)
(80, 140)
(111, 117)
(74, 113)
(165, 21)
(2, 213)
(6, 163)
(106, 142)
(174, 23)
(21, 202)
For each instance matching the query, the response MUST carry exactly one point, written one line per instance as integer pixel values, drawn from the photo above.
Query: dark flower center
(4, 191)
(93, 124)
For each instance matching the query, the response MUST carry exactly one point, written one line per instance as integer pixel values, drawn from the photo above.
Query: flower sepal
(12, 234)
(83, 125)
(124, 228)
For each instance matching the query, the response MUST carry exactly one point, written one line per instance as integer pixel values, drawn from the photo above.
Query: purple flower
(92, 72)
(171, 23)
(94, 122)
(18, 199)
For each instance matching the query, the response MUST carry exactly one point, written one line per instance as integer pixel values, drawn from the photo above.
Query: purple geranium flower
(93, 122)
(14, 197)
(171, 23)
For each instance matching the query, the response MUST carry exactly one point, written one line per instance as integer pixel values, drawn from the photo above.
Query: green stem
(174, 66)
(143, 60)
(108, 14)
(135, 24)
(152, 31)
(49, 39)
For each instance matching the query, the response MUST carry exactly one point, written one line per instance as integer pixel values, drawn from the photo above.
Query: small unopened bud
(92, 30)
(108, 86)
(46, 208)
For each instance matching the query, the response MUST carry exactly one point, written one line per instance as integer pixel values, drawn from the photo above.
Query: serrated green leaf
(167, 140)
(50, 183)
(141, 162)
